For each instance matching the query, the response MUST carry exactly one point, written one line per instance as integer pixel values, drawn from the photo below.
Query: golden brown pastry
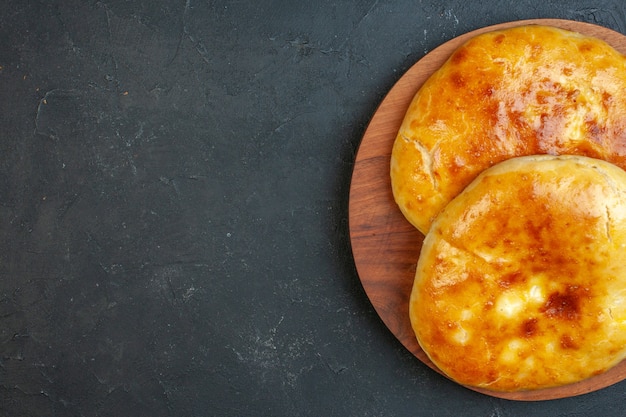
(521, 91)
(521, 282)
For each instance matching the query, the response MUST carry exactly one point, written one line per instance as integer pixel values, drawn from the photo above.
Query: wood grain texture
(386, 247)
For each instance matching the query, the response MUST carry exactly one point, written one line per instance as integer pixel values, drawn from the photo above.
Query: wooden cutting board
(386, 247)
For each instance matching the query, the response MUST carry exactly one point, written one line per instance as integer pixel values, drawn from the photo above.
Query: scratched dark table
(174, 180)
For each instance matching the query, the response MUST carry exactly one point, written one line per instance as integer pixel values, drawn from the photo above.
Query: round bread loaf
(521, 91)
(521, 281)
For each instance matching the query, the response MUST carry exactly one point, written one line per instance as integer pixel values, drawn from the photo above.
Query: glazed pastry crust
(521, 91)
(521, 282)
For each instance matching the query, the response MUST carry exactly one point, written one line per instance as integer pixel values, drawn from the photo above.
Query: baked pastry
(520, 91)
(521, 281)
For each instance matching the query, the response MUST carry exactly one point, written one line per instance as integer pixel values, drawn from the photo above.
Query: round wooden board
(386, 247)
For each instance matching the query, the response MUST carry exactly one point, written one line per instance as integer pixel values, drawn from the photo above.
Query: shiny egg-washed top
(521, 282)
(521, 91)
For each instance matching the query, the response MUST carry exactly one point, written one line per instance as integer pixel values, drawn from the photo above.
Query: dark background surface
(174, 181)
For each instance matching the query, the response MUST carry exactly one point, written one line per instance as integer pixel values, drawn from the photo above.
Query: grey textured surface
(174, 181)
